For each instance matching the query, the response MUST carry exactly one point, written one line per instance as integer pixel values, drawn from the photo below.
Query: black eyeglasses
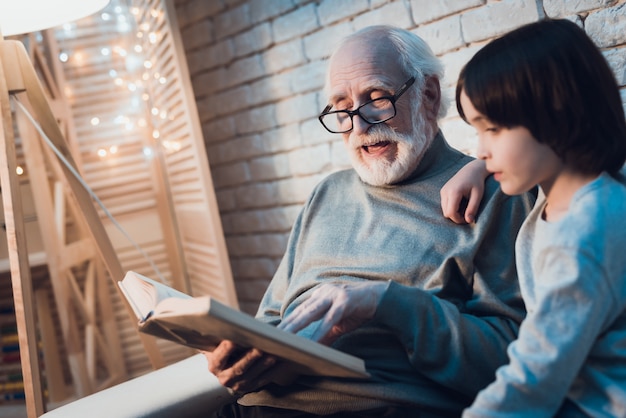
(375, 111)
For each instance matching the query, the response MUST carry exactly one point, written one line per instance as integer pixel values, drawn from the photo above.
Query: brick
(310, 160)
(255, 267)
(308, 77)
(198, 34)
(320, 45)
(262, 10)
(225, 199)
(236, 149)
(331, 11)
(218, 130)
(257, 245)
(231, 175)
(425, 11)
(250, 292)
(199, 61)
(206, 108)
(243, 70)
(283, 56)
(257, 195)
(205, 84)
(232, 3)
(299, 22)
(312, 132)
(296, 190)
(339, 156)
(232, 100)
(563, 8)
(278, 219)
(460, 135)
(617, 61)
(607, 27)
(396, 13)
(211, 57)
(453, 63)
(443, 35)
(253, 40)
(256, 120)
(296, 109)
(271, 167)
(197, 10)
(283, 138)
(270, 88)
(495, 19)
(233, 21)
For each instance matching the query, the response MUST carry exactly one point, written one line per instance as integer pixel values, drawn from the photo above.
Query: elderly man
(429, 305)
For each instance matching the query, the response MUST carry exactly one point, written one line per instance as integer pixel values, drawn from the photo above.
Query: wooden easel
(18, 78)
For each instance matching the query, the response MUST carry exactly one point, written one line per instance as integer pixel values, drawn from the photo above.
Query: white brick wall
(258, 69)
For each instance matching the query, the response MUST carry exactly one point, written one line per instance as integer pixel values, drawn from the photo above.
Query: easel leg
(18, 258)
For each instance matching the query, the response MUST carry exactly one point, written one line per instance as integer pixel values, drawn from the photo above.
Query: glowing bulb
(64, 57)
(19, 170)
(95, 121)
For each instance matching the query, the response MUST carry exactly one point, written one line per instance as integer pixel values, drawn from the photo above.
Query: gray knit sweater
(451, 309)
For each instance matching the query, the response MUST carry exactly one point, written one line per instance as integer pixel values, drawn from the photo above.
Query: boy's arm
(461, 195)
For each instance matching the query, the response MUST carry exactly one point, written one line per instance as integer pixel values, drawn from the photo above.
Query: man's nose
(359, 126)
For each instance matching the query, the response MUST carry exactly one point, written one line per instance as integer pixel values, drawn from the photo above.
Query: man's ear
(431, 97)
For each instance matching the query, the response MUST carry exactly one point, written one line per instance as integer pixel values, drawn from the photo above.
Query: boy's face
(517, 161)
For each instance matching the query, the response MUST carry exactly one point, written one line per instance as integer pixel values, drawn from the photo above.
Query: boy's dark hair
(550, 78)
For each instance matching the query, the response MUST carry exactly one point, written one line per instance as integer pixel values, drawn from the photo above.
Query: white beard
(410, 150)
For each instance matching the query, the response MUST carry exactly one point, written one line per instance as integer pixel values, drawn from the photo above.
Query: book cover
(202, 322)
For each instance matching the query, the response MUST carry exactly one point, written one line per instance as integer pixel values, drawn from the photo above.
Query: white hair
(414, 55)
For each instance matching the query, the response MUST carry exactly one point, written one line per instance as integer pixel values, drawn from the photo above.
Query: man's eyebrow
(366, 88)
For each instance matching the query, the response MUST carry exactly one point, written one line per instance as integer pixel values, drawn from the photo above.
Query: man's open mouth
(373, 148)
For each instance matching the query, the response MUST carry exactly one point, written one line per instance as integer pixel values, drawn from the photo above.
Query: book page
(144, 294)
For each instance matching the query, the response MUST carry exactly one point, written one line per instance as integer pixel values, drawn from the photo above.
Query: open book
(202, 322)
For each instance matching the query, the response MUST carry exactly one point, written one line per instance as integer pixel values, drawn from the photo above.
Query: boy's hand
(461, 195)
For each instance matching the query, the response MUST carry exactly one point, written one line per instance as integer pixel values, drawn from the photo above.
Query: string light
(134, 75)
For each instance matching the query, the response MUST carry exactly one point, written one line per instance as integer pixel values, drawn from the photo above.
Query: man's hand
(342, 308)
(241, 369)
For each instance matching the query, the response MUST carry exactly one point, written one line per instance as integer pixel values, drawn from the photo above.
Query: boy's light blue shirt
(573, 341)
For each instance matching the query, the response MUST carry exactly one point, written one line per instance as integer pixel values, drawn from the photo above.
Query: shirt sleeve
(574, 304)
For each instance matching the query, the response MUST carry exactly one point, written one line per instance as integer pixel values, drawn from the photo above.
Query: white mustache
(376, 136)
